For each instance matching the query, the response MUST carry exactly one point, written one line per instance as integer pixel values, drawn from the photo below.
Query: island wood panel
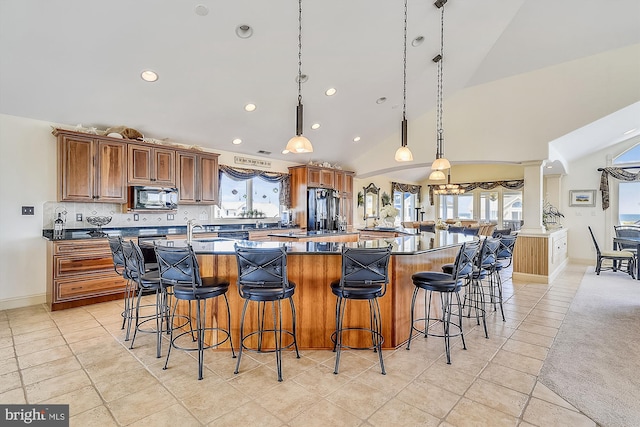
(315, 303)
(531, 255)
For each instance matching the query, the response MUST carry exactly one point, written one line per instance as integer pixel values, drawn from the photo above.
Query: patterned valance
(513, 184)
(406, 188)
(618, 173)
(243, 174)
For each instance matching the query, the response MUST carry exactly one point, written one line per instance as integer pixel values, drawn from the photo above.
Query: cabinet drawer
(82, 265)
(75, 246)
(79, 289)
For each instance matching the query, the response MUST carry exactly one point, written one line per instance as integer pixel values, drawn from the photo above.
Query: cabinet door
(140, 165)
(340, 181)
(208, 180)
(164, 167)
(186, 174)
(348, 183)
(313, 177)
(327, 178)
(75, 165)
(110, 172)
(346, 208)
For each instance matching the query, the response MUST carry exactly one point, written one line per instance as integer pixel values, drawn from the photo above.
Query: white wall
(27, 178)
(585, 176)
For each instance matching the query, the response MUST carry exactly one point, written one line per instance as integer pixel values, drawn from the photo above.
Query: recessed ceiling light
(331, 91)
(237, 141)
(417, 41)
(315, 126)
(550, 167)
(303, 78)
(630, 131)
(285, 151)
(149, 76)
(244, 31)
(202, 10)
(381, 100)
(356, 139)
(250, 107)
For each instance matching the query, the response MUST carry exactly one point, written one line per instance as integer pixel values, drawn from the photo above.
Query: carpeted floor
(594, 362)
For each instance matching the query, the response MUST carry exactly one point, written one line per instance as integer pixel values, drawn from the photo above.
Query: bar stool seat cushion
(211, 287)
(262, 293)
(375, 290)
(436, 281)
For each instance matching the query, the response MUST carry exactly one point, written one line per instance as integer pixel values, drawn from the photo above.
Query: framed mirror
(371, 201)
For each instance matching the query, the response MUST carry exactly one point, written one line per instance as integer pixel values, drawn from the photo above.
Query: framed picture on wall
(582, 198)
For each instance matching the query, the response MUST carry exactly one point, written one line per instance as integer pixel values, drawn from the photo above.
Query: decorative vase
(389, 221)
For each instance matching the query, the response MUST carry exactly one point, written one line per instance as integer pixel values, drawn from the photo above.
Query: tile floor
(78, 357)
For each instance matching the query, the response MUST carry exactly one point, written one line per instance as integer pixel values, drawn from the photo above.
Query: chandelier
(403, 154)
(440, 163)
(299, 143)
(448, 188)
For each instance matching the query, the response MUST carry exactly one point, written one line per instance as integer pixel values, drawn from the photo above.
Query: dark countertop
(402, 245)
(307, 234)
(134, 232)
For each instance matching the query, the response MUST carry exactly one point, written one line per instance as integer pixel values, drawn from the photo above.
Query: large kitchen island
(313, 265)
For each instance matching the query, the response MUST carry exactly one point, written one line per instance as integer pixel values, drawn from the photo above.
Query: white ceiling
(80, 64)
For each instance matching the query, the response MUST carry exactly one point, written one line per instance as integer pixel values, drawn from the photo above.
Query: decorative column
(532, 198)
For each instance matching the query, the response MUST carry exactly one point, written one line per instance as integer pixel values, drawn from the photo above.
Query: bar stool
(115, 244)
(262, 277)
(446, 285)
(179, 268)
(483, 268)
(365, 275)
(504, 259)
(145, 281)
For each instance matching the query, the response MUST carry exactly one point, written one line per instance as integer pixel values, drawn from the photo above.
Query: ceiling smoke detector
(201, 10)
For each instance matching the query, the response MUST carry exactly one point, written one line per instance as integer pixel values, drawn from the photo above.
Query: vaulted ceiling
(518, 74)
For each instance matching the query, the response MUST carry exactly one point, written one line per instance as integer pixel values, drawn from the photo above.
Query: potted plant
(551, 216)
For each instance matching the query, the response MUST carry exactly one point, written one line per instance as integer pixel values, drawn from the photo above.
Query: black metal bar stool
(365, 275)
(179, 268)
(115, 244)
(446, 285)
(262, 277)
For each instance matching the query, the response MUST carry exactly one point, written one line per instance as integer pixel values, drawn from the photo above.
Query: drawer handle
(76, 288)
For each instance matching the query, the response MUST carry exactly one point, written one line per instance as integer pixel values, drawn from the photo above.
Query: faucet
(191, 225)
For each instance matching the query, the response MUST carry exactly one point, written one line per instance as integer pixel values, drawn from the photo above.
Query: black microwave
(153, 198)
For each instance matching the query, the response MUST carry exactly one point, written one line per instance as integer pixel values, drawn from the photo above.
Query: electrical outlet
(136, 217)
(27, 210)
(79, 217)
(170, 217)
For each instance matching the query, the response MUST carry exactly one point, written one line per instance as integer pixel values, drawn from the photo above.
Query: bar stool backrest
(463, 265)
(491, 247)
(363, 267)
(133, 259)
(262, 267)
(115, 244)
(507, 243)
(178, 266)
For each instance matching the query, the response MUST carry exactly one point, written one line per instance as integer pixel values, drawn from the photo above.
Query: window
(406, 203)
(489, 206)
(239, 199)
(629, 192)
(500, 206)
(460, 206)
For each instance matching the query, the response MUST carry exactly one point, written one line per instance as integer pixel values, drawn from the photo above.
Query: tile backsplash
(69, 211)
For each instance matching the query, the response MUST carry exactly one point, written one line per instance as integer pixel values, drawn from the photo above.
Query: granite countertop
(133, 232)
(306, 234)
(402, 245)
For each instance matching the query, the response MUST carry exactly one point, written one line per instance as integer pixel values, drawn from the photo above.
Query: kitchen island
(314, 265)
(316, 236)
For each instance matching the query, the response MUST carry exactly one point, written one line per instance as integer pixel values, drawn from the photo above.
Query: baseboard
(7, 304)
(528, 277)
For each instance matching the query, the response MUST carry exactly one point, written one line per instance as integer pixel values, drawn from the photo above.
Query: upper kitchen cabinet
(321, 177)
(90, 169)
(151, 166)
(344, 182)
(197, 178)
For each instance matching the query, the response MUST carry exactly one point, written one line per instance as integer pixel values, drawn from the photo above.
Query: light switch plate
(27, 210)
(136, 217)
(170, 217)
(79, 217)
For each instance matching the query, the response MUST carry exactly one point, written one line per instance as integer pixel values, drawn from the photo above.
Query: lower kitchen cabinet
(80, 272)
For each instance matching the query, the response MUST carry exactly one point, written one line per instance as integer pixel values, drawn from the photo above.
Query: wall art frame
(586, 198)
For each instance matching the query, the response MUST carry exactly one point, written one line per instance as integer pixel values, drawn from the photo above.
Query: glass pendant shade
(437, 175)
(440, 164)
(403, 154)
(299, 144)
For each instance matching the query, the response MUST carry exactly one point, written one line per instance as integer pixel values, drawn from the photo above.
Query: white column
(532, 198)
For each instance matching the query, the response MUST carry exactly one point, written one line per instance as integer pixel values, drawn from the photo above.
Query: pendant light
(299, 144)
(403, 154)
(440, 163)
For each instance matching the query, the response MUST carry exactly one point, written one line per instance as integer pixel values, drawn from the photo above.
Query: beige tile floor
(78, 357)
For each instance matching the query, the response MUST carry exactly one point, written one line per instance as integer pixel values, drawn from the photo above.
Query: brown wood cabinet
(90, 169)
(197, 178)
(304, 177)
(151, 166)
(80, 272)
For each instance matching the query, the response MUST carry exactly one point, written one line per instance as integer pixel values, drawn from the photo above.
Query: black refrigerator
(323, 209)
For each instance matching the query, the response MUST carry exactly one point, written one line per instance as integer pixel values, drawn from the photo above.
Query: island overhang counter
(312, 266)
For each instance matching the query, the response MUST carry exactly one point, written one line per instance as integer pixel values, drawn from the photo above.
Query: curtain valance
(243, 174)
(513, 184)
(406, 188)
(618, 173)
